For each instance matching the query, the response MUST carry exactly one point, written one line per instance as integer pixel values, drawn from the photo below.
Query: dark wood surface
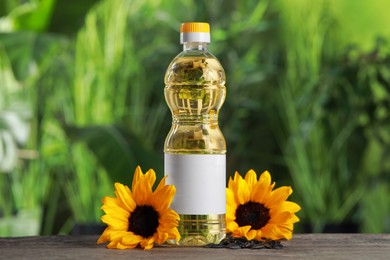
(302, 246)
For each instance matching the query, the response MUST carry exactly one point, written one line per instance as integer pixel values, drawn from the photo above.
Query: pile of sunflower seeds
(238, 243)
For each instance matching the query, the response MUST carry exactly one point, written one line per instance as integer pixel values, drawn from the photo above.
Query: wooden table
(302, 246)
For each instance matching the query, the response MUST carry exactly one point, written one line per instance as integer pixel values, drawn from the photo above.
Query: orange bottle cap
(195, 32)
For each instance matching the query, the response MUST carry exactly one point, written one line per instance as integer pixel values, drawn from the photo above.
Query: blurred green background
(81, 104)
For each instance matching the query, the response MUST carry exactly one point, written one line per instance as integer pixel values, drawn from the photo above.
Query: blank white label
(199, 181)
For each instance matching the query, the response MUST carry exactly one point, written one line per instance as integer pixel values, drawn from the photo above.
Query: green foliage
(28, 15)
(68, 15)
(118, 152)
(375, 209)
(23, 186)
(323, 100)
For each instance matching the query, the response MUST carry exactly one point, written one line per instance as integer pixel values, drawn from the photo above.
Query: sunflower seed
(248, 244)
(258, 246)
(233, 246)
(215, 246)
(237, 243)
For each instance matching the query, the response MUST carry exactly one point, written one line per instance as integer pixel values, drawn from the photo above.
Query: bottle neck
(195, 46)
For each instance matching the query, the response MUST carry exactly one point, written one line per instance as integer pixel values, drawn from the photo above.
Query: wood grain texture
(302, 246)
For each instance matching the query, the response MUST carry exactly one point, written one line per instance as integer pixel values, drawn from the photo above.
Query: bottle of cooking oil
(195, 149)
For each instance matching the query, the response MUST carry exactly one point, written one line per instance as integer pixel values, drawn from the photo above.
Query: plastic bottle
(195, 149)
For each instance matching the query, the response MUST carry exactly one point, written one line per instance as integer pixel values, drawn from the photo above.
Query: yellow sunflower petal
(118, 235)
(167, 228)
(119, 245)
(131, 239)
(251, 234)
(150, 178)
(231, 198)
(230, 213)
(231, 226)
(112, 245)
(241, 231)
(147, 243)
(142, 186)
(258, 192)
(232, 183)
(231, 203)
(105, 236)
(294, 219)
(288, 226)
(262, 189)
(234, 180)
(161, 184)
(136, 177)
(285, 233)
(168, 213)
(278, 196)
(160, 236)
(149, 246)
(286, 206)
(111, 202)
(174, 234)
(114, 222)
(290, 206)
(259, 234)
(125, 197)
(251, 179)
(162, 199)
(283, 217)
(117, 211)
(265, 178)
(243, 194)
(271, 231)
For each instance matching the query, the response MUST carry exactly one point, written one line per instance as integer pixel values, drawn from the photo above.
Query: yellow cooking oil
(195, 148)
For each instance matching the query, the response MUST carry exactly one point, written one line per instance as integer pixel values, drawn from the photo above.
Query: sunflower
(256, 211)
(140, 217)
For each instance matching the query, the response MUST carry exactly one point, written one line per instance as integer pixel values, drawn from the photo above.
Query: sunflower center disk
(143, 221)
(253, 214)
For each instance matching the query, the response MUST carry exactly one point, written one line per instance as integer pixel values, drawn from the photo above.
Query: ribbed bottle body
(195, 148)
